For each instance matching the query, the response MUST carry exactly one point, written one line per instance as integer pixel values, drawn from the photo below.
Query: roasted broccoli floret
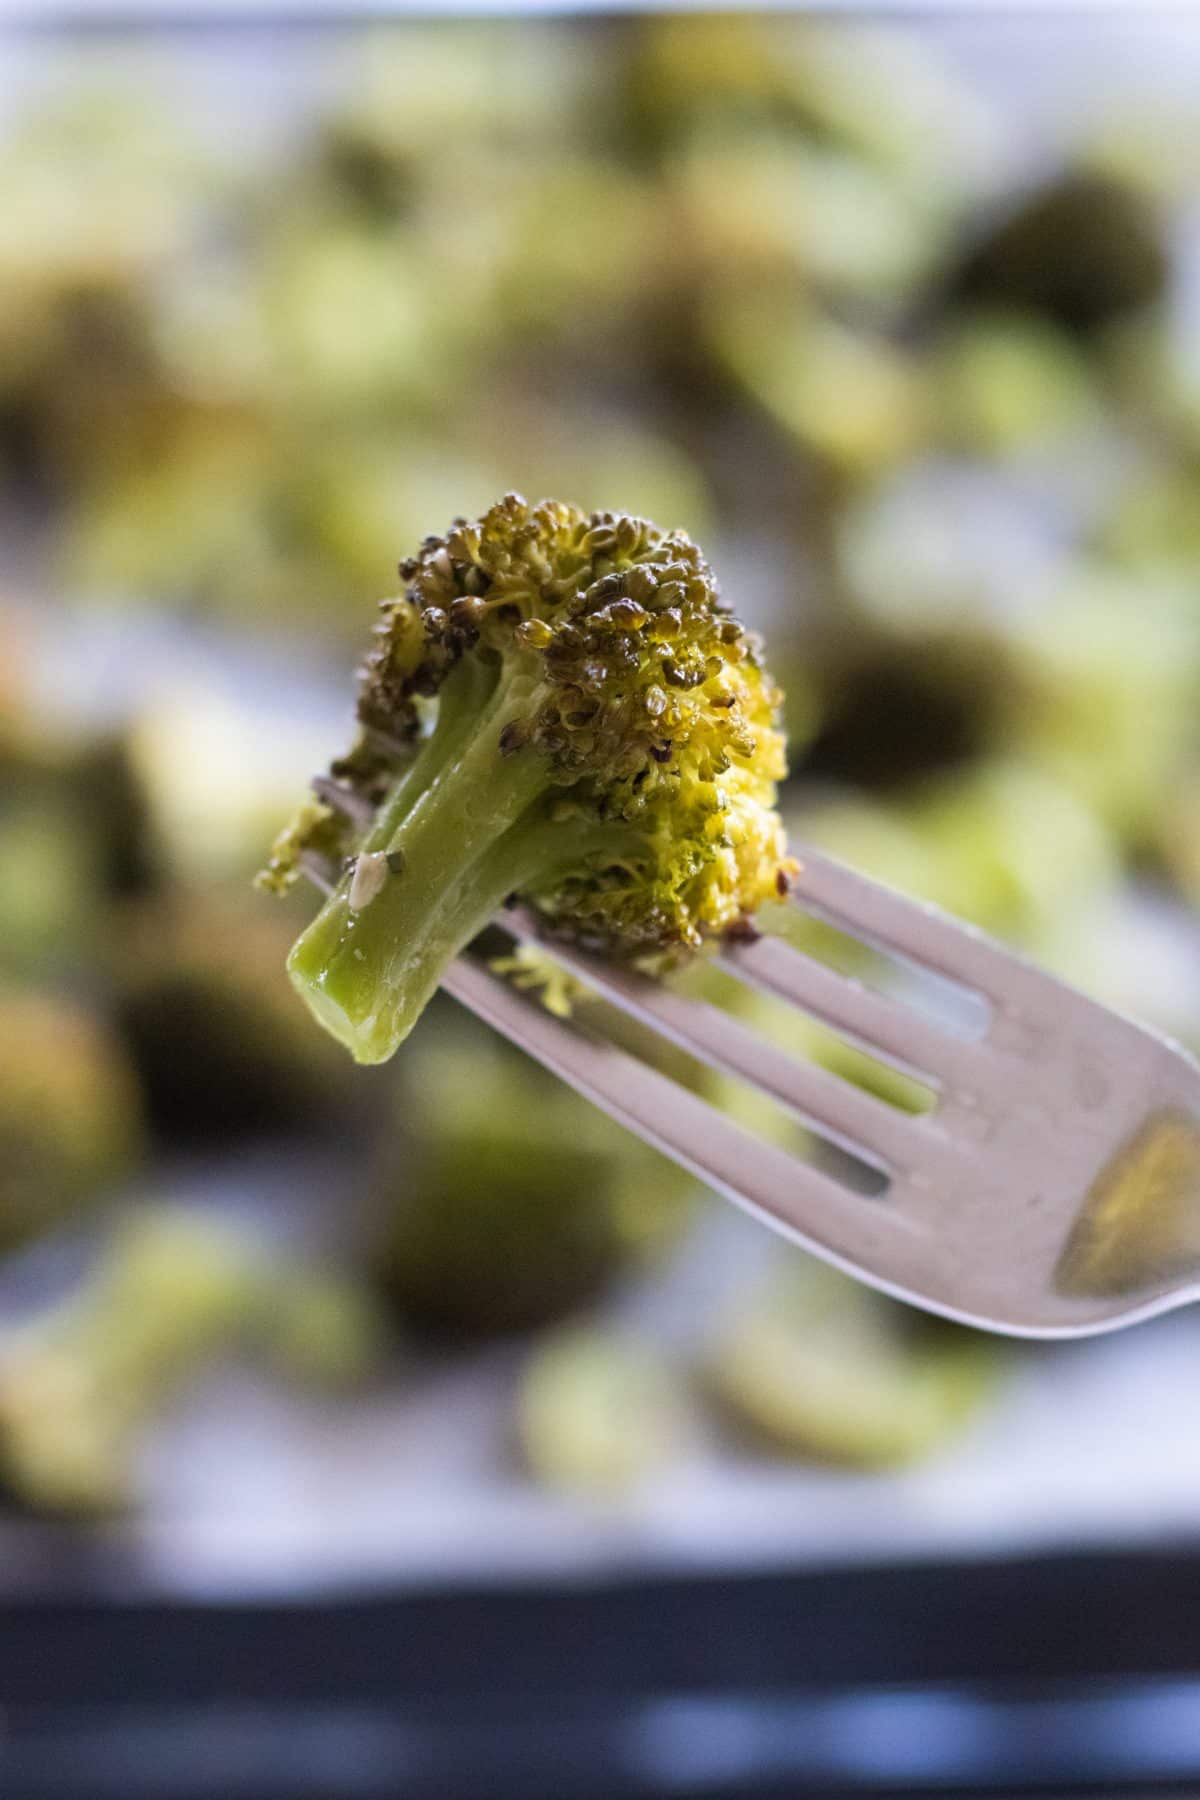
(604, 743)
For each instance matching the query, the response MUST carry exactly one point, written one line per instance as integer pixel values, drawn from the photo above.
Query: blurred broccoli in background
(1082, 250)
(1003, 844)
(600, 1412)
(818, 1366)
(1009, 382)
(173, 1293)
(101, 202)
(205, 1009)
(71, 1126)
(501, 1199)
(922, 370)
(75, 836)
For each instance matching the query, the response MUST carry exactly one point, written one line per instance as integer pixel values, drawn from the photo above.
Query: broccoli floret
(605, 743)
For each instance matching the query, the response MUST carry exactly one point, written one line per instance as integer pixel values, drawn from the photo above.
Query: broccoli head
(559, 706)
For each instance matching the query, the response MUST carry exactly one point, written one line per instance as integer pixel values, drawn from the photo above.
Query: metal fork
(1053, 1190)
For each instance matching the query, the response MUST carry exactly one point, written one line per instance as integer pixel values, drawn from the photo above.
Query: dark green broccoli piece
(206, 1010)
(1083, 251)
(605, 743)
(73, 835)
(482, 1229)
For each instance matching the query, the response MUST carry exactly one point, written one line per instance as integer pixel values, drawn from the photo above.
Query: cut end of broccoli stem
(368, 967)
(354, 1032)
(368, 974)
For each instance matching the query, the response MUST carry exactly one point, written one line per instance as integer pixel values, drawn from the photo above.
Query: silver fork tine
(343, 800)
(319, 871)
(880, 1026)
(1000, 1210)
(845, 1114)
(846, 1228)
(895, 923)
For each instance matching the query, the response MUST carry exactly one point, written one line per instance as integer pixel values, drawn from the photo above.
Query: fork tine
(894, 923)
(884, 1028)
(343, 800)
(838, 1110)
(866, 1237)
(319, 871)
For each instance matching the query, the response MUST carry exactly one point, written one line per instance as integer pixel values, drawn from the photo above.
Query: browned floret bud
(640, 583)
(466, 613)
(665, 626)
(682, 675)
(515, 735)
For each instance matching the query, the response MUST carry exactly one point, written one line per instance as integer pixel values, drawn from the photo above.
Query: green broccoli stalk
(560, 707)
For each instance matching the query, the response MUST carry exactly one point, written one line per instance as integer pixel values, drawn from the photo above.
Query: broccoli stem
(464, 827)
